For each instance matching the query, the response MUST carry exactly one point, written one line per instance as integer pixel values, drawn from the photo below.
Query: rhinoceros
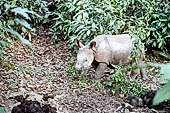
(105, 50)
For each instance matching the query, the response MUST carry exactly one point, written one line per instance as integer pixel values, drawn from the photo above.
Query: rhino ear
(92, 45)
(78, 43)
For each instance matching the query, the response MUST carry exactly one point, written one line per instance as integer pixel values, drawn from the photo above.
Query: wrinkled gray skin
(105, 50)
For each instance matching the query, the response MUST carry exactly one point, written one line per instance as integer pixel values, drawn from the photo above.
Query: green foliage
(25, 41)
(2, 110)
(16, 23)
(79, 81)
(163, 94)
(119, 82)
(71, 67)
(86, 19)
(146, 19)
(32, 9)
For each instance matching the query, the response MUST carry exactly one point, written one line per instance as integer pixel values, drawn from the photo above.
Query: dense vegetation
(147, 20)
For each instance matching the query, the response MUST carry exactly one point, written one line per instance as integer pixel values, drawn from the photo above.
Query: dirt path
(43, 71)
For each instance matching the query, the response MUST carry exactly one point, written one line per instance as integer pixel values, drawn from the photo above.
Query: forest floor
(44, 71)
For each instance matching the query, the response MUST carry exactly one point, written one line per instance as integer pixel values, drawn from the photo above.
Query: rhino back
(121, 46)
(113, 48)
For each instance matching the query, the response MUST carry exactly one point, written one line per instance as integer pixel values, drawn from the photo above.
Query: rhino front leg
(100, 70)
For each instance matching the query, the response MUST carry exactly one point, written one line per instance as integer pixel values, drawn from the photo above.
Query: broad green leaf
(3, 43)
(154, 44)
(101, 29)
(85, 15)
(160, 44)
(81, 27)
(23, 40)
(23, 22)
(7, 6)
(164, 30)
(108, 18)
(155, 15)
(169, 25)
(167, 36)
(72, 9)
(79, 18)
(162, 54)
(24, 30)
(99, 10)
(109, 83)
(163, 94)
(11, 22)
(4, 52)
(88, 32)
(165, 71)
(56, 24)
(133, 1)
(80, 3)
(148, 34)
(22, 11)
(163, 20)
(2, 110)
(74, 2)
(93, 26)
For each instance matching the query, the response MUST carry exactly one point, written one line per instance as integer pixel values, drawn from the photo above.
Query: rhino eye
(85, 60)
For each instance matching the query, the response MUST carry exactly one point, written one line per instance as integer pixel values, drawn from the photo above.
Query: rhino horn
(78, 43)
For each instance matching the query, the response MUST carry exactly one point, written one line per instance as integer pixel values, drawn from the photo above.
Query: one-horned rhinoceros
(106, 50)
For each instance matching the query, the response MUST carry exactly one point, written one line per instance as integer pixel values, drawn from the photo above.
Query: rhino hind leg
(140, 71)
(100, 70)
(143, 71)
(135, 73)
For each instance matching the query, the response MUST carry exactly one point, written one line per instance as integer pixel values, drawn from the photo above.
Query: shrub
(119, 81)
(14, 24)
(150, 19)
(85, 19)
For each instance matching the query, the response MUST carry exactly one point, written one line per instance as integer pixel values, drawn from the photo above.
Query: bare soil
(42, 71)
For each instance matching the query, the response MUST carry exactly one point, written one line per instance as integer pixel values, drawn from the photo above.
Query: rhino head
(86, 55)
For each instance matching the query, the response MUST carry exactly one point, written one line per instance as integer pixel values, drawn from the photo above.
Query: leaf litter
(39, 78)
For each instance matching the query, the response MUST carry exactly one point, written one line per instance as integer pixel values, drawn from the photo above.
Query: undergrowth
(117, 80)
(126, 85)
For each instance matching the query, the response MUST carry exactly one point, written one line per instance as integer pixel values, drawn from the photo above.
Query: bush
(15, 24)
(85, 19)
(151, 22)
(119, 81)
